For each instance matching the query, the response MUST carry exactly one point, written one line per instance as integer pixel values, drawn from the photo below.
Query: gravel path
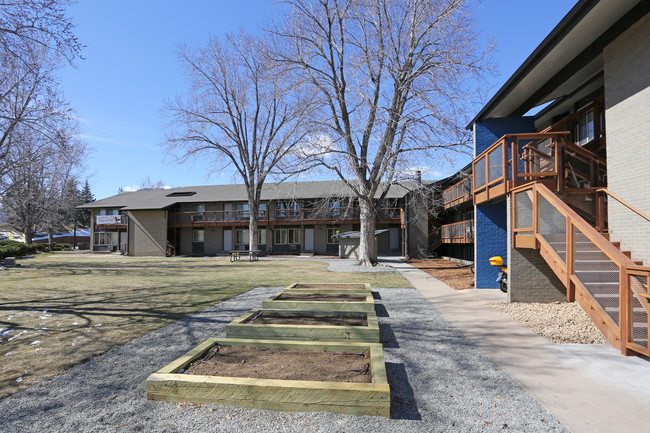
(558, 322)
(439, 382)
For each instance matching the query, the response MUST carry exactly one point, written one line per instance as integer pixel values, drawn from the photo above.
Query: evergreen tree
(85, 196)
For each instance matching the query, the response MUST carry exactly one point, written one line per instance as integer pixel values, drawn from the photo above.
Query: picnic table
(253, 255)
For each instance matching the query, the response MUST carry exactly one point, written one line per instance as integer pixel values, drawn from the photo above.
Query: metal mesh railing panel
(523, 210)
(552, 227)
(639, 311)
(598, 274)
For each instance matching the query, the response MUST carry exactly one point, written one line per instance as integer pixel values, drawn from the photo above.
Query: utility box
(349, 243)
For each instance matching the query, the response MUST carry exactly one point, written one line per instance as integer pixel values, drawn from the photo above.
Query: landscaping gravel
(439, 382)
(559, 322)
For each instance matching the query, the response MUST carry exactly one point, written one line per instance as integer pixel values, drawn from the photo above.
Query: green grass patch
(58, 310)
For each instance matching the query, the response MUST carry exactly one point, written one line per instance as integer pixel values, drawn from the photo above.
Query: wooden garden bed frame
(325, 306)
(238, 328)
(286, 395)
(330, 288)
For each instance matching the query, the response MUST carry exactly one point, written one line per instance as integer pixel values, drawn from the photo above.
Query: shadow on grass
(402, 400)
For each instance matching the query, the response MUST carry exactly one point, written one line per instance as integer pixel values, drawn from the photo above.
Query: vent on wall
(181, 194)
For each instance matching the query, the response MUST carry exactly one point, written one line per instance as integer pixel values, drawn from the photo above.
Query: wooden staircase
(604, 280)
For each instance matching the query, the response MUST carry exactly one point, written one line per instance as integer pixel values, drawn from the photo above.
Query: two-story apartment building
(294, 217)
(562, 192)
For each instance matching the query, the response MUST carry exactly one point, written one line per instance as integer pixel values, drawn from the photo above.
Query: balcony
(549, 158)
(461, 232)
(111, 222)
(279, 217)
(457, 194)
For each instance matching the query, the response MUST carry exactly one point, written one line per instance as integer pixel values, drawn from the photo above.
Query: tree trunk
(50, 236)
(367, 253)
(253, 225)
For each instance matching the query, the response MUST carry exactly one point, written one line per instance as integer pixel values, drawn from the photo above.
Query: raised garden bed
(251, 384)
(320, 302)
(306, 325)
(342, 288)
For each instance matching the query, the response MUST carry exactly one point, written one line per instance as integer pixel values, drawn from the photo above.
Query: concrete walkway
(589, 388)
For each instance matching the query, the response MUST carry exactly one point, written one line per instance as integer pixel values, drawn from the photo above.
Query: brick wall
(627, 117)
(490, 225)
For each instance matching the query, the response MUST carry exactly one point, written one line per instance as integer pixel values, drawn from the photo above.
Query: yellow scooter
(503, 273)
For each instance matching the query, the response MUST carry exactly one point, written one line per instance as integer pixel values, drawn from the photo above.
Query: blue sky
(130, 69)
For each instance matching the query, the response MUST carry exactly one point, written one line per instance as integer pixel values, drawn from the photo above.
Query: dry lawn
(59, 310)
(454, 274)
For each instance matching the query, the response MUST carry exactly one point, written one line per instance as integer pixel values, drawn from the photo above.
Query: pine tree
(85, 196)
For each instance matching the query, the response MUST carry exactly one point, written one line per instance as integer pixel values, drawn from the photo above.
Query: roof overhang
(568, 57)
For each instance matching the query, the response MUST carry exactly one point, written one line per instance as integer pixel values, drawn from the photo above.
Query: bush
(37, 248)
(61, 247)
(12, 249)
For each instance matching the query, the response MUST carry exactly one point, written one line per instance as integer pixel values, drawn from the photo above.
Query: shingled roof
(164, 198)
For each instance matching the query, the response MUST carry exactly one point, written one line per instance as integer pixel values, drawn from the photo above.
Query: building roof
(164, 198)
(569, 56)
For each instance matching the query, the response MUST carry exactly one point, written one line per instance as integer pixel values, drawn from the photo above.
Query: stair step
(640, 325)
(638, 262)
(635, 310)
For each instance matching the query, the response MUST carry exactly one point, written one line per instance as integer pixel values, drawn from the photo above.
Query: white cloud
(128, 188)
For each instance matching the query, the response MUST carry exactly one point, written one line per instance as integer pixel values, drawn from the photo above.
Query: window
(243, 210)
(199, 208)
(106, 238)
(282, 209)
(280, 237)
(330, 233)
(335, 208)
(108, 212)
(261, 237)
(294, 236)
(241, 236)
(181, 194)
(198, 216)
(287, 236)
(262, 213)
(585, 128)
(197, 235)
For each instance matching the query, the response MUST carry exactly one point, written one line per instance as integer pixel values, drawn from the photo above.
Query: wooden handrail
(627, 205)
(584, 152)
(598, 239)
(525, 136)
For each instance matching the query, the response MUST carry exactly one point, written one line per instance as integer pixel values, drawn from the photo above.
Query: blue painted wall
(491, 219)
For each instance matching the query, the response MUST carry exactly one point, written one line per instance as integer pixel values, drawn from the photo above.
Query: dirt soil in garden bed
(311, 319)
(283, 364)
(456, 275)
(319, 297)
(331, 286)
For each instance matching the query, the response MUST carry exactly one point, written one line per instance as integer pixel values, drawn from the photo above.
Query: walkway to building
(589, 388)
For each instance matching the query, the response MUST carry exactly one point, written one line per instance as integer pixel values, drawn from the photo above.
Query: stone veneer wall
(627, 118)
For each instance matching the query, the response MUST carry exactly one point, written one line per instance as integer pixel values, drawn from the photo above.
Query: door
(393, 242)
(227, 239)
(309, 240)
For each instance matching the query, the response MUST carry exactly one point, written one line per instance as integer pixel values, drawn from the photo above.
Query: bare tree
(41, 193)
(393, 78)
(35, 35)
(240, 112)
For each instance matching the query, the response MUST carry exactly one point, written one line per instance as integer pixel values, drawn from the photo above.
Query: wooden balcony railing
(461, 232)
(457, 194)
(549, 157)
(279, 217)
(111, 222)
(610, 287)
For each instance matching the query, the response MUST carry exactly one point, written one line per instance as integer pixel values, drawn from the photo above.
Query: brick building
(562, 193)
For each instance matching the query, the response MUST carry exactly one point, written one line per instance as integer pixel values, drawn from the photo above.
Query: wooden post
(535, 216)
(514, 165)
(570, 265)
(624, 310)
